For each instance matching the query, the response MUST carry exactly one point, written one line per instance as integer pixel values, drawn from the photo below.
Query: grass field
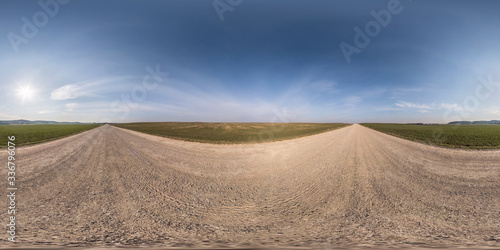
(231, 133)
(35, 133)
(453, 136)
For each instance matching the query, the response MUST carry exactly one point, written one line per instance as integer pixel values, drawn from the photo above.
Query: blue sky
(249, 60)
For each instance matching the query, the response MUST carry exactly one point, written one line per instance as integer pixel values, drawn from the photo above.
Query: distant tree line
(497, 122)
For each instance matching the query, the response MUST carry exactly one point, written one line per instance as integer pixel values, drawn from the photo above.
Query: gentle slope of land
(36, 133)
(22, 121)
(347, 187)
(453, 136)
(231, 133)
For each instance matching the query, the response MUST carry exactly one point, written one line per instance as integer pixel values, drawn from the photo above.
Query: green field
(453, 136)
(231, 133)
(35, 133)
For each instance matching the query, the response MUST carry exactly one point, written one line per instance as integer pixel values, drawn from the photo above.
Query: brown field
(345, 188)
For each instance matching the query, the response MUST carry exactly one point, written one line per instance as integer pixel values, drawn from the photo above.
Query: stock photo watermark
(30, 27)
(484, 90)
(278, 120)
(223, 6)
(11, 188)
(363, 38)
(139, 93)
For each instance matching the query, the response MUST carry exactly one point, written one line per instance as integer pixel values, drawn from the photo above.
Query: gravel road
(348, 187)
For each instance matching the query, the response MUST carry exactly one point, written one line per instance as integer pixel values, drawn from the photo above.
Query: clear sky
(250, 60)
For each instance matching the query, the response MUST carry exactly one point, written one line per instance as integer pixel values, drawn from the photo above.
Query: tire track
(352, 186)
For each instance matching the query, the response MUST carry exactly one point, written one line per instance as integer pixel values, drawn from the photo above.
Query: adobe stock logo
(222, 7)
(138, 93)
(372, 29)
(29, 29)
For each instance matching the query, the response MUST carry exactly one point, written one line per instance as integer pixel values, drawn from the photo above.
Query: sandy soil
(349, 187)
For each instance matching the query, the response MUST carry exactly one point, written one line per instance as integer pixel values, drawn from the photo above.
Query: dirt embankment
(348, 187)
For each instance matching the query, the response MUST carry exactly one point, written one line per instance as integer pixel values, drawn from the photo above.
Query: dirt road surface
(349, 187)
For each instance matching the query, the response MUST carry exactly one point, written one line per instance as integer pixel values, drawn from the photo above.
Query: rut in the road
(344, 187)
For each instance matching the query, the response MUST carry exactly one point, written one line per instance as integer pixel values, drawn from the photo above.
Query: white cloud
(66, 92)
(324, 86)
(399, 93)
(409, 89)
(372, 92)
(352, 100)
(494, 110)
(70, 106)
(75, 90)
(452, 106)
(403, 104)
(384, 108)
(8, 116)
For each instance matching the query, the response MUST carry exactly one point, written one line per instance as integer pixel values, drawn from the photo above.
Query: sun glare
(25, 92)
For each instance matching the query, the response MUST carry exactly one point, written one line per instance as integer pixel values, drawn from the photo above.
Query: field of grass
(35, 133)
(231, 133)
(453, 136)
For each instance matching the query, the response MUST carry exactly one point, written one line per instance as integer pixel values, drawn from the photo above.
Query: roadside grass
(231, 133)
(451, 136)
(36, 133)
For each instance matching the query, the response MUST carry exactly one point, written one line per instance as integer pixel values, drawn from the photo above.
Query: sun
(25, 92)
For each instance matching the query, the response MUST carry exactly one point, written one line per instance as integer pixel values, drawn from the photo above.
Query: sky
(432, 61)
